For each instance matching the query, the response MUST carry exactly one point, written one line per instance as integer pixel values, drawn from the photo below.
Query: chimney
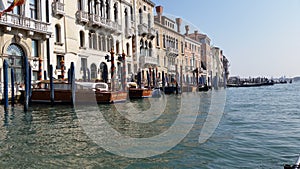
(178, 22)
(196, 33)
(159, 12)
(187, 28)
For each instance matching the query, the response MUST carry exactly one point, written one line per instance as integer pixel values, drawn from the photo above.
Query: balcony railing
(172, 68)
(151, 33)
(58, 9)
(189, 68)
(82, 17)
(128, 32)
(149, 60)
(172, 52)
(142, 29)
(95, 20)
(21, 22)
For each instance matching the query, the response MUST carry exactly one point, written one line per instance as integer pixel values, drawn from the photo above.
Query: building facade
(25, 32)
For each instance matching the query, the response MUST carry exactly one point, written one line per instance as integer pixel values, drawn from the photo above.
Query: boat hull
(135, 93)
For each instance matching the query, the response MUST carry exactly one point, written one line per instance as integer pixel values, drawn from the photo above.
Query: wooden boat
(41, 92)
(87, 90)
(137, 93)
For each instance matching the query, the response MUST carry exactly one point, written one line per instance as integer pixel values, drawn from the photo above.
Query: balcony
(82, 17)
(148, 60)
(95, 20)
(171, 68)
(142, 29)
(58, 9)
(21, 22)
(151, 33)
(172, 52)
(189, 68)
(112, 26)
(128, 32)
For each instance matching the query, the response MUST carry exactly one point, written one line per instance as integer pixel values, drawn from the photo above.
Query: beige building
(192, 60)
(206, 55)
(86, 31)
(145, 59)
(169, 46)
(25, 32)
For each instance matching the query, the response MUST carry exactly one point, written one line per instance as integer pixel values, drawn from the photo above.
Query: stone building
(169, 46)
(25, 32)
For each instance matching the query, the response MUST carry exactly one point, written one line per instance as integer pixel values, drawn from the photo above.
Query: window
(127, 49)
(82, 40)
(117, 47)
(33, 9)
(141, 16)
(34, 44)
(93, 71)
(157, 39)
(58, 59)
(79, 5)
(83, 64)
(57, 33)
(17, 9)
(116, 12)
(164, 41)
(129, 68)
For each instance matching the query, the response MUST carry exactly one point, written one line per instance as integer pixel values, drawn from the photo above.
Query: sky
(259, 37)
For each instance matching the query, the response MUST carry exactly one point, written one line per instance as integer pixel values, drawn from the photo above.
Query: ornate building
(25, 32)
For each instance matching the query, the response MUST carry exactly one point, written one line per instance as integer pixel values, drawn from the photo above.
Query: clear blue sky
(259, 37)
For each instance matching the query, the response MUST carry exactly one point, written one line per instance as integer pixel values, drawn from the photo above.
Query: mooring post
(73, 87)
(5, 75)
(45, 78)
(29, 82)
(69, 76)
(12, 87)
(51, 85)
(163, 80)
(26, 80)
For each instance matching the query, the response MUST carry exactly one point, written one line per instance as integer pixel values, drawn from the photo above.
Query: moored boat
(136, 93)
(100, 93)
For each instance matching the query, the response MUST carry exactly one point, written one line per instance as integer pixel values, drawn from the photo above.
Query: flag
(12, 5)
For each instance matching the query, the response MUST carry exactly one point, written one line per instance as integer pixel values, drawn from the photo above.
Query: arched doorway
(16, 55)
(104, 72)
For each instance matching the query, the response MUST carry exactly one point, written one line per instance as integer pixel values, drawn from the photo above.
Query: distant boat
(247, 84)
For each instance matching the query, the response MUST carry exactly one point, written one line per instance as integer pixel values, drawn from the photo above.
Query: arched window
(126, 18)
(79, 5)
(117, 47)
(149, 20)
(90, 40)
(141, 15)
(107, 9)
(104, 44)
(82, 40)
(100, 42)
(93, 71)
(127, 49)
(164, 41)
(141, 46)
(57, 33)
(157, 39)
(150, 48)
(116, 12)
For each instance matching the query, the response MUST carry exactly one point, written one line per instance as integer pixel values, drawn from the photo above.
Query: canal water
(259, 128)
